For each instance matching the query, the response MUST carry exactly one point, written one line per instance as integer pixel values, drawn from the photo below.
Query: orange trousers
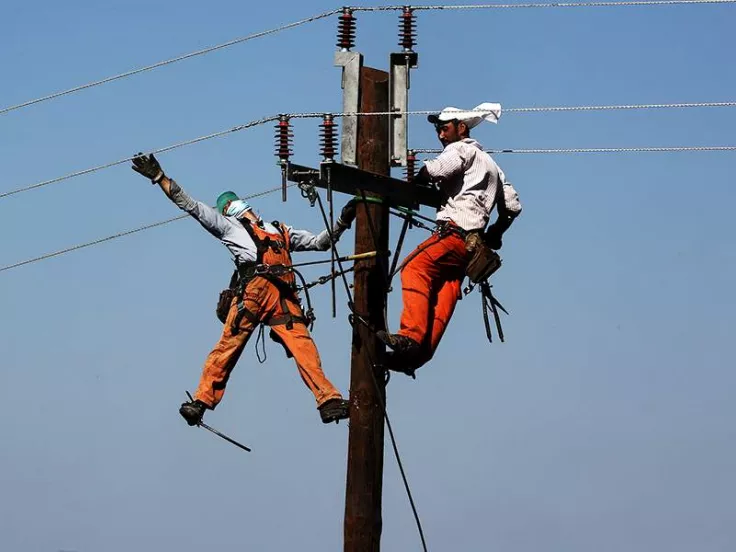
(430, 282)
(263, 299)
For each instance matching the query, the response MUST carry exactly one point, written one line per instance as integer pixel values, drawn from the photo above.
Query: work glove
(148, 166)
(347, 215)
(492, 237)
(422, 177)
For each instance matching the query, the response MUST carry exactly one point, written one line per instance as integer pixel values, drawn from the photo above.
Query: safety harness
(273, 263)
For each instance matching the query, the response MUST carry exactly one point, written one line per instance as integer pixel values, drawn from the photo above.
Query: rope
(169, 61)
(394, 445)
(327, 278)
(116, 236)
(381, 402)
(600, 150)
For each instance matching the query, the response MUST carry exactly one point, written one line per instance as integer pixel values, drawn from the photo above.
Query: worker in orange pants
(430, 280)
(263, 291)
(432, 275)
(263, 301)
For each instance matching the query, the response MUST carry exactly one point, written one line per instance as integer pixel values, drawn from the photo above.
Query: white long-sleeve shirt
(230, 231)
(468, 178)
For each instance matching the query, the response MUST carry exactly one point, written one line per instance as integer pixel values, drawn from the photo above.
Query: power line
(127, 159)
(118, 235)
(170, 61)
(422, 150)
(624, 107)
(335, 11)
(311, 115)
(544, 5)
(665, 149)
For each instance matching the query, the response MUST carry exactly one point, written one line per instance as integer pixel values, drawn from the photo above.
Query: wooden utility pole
(363, 521)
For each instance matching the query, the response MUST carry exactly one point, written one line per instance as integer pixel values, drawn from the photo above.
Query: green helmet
(223, 200)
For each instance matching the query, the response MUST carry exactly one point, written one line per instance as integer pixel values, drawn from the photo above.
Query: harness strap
(286, 317)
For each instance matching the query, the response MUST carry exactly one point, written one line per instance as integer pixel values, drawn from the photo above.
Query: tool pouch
(223, 304)
(226, 297)
(484, 261)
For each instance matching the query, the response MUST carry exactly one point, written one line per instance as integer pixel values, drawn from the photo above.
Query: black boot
(398, 343)
(399, 363)
(193, 411)
(334, 410)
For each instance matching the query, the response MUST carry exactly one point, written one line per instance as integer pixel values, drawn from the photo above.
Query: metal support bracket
(401, 65)
(349, 180)
(351, 62)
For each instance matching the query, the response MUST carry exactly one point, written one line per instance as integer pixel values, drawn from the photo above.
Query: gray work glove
(148, 166)
(347, 215)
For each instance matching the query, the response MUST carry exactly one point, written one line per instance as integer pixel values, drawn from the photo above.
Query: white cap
(487, 111)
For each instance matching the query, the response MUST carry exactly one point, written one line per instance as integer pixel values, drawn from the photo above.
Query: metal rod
(222, 435)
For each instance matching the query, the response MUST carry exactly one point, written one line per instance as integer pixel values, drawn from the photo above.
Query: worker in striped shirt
(432, 274)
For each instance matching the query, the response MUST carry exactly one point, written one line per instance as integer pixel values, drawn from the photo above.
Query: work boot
(334, 410)
(193, 411)
(398, 343)
(399, 363)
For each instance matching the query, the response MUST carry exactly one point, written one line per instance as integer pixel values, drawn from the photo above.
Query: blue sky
(604, 423)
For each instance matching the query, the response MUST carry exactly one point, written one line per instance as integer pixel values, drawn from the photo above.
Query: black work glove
(492, 237)
(148, 166)
(347, 215)
(422, 177)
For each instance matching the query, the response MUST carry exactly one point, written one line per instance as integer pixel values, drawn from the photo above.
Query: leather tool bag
(223, 304)
(226, 298)
(484, 261)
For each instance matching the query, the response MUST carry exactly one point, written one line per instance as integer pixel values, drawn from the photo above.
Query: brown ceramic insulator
(411, 164)
(328, 139)
(346, 30)
(407, 29)
(283, 139)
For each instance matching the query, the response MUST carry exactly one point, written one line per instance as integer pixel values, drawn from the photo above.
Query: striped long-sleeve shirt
(468, 178)
(235, 237)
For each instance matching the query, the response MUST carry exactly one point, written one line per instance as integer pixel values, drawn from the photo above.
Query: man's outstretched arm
(209, 218)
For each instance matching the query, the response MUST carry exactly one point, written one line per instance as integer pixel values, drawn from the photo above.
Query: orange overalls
(430, 282)
(266, 299)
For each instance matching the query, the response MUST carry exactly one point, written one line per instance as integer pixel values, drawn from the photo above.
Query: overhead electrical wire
(425, 150)
(309, 115)
(119, 235)
(643, 149)
(534, 5)
(170, 61)
(317, 17)
(43, 183)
